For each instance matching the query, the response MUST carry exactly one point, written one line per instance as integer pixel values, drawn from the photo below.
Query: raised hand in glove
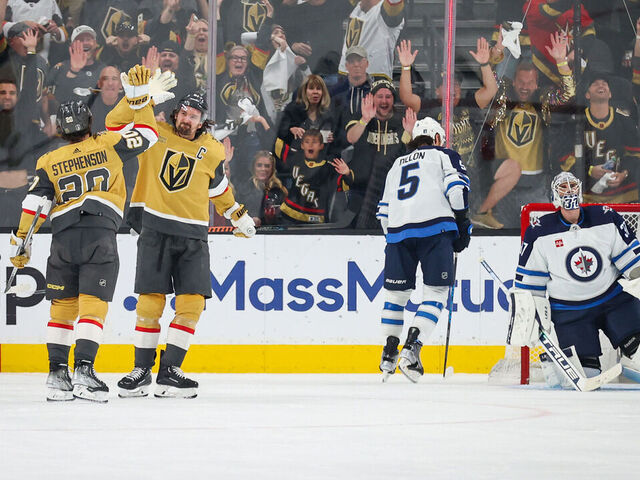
(245, 226)
(160, 84)
(136, 86)
(22, 252)
(464, 232)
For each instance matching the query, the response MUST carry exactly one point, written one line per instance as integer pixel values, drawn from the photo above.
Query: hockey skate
(86, 384)
(410, 364)
(59, 386)
(135, 384)
(389, 357)
(171, 383)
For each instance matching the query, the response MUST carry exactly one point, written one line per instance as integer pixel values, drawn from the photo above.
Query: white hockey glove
(160, 84)
(245, 226)
(22, 253)
(136, 86)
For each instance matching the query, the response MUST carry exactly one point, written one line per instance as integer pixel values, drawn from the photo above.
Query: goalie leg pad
(631, 358)
(434, 298)
(524, 328)
(392, 319)
(553, 376)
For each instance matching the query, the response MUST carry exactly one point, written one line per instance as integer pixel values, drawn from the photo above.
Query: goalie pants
(172, 263)
(618, 318)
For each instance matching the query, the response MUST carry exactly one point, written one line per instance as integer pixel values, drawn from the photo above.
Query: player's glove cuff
(22, 253)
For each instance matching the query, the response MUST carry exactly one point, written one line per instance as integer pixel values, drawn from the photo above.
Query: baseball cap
(383, 83)
(17, 29)
(169, 46)
(126, 29)
(356, 50)
(80, 29)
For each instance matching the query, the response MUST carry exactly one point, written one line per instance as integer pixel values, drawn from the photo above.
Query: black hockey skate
(87, 385)
(389, 359)
(173, 384)
(59, 386)
(410, 364)
(135, 384)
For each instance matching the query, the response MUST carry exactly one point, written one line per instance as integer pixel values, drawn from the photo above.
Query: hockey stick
(8, 289)
(342, 223)
(446, 345)
(578, 381)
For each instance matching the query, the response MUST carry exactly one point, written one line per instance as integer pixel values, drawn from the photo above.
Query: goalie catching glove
(240, 219)
(22, 253)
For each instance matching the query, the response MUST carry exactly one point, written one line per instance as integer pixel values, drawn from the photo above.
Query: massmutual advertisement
(280, 303)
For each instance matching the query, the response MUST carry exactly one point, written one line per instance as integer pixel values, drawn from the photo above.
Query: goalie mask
(566, 191)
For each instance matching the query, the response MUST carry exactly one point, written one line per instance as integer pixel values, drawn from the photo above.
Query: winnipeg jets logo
(584, 263)
(535, 222)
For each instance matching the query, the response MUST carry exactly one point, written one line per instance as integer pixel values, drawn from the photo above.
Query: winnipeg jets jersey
(577, 265)
(421, 192)
(376, 30)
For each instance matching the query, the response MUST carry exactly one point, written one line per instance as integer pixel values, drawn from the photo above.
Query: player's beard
(184, 130)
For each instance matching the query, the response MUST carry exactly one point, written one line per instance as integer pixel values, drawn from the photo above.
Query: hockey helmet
(195, 100)
(429, 127)
(566, 191)
(73, 117)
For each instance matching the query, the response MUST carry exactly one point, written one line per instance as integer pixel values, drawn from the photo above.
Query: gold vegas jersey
(176, 179)
(519, 136)
(83, 182)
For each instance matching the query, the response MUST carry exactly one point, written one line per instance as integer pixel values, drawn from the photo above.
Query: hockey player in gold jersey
(81, 188)
(170, 210)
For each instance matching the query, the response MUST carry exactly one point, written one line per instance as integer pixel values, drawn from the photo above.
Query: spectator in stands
(197, 46)
(124, 49)
(282, 76)
(72, 79)
(167, 57)
(263, 193)
(315, 33)
(348, 93)
(239, 17)
(377, 141)
(108, 94)
(71, 12)
(44, 15)
(105, 15)
(375, 25)
(312, 109)
(521, 110)
(313, 173)
(611, 147)
(170, 24)
(462, 136)
(20, 138)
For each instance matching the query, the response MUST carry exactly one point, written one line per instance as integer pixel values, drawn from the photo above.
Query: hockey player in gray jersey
(423, 213)
(575, 257)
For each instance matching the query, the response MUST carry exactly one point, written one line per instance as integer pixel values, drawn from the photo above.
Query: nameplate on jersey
(177, 170)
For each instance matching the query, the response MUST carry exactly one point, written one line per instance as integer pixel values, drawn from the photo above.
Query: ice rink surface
(267, 427)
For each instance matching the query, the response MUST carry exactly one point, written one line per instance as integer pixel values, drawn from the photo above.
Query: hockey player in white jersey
(423, 213)
(575, 257)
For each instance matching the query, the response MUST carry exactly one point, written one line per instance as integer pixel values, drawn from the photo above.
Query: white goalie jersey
(421, 192)
(577, 265)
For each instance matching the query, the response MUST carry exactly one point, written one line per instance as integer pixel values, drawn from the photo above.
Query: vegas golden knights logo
(354, 30)
(253, 14)
(177, 170)
(111, 19)
(522, 128)
(227, 92)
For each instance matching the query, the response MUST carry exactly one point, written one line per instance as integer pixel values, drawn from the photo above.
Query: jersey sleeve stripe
(220, 188)
(532, 273)
(119, 128)
(526, 286)
(634, 244)
(31, 202)
(382, 215)
(453, 184)
(629, 265)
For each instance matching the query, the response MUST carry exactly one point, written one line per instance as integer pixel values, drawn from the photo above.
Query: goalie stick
(578, 381)
(8, 289)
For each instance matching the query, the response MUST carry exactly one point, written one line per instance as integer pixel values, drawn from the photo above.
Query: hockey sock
(392, 318)
(58, 353)
(172, 356)
(85, 350)
(60, 329)
(426, 318)
(92, 311)
(145, 357)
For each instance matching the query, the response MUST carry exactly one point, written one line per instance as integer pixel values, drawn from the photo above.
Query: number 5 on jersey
(409, 183)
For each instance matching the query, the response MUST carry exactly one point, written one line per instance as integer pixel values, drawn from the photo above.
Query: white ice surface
(267, 427)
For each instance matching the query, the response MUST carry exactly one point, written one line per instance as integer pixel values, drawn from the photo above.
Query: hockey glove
(136, 86)
(22, 253)
(464, 232)
(160, 84)
(245, 226)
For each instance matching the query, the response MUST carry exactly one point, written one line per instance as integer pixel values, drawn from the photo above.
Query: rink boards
(280, 304)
